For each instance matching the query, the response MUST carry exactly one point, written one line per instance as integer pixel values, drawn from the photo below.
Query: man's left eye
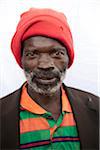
(58, 54)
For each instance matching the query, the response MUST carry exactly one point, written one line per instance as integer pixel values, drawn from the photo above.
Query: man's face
(44, 61)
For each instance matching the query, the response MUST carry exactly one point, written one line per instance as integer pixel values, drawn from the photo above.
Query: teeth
(46, 81)
(46, 78)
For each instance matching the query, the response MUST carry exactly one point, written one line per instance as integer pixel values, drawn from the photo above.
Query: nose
(45, 62)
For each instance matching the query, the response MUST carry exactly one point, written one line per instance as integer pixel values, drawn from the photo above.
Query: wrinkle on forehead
(42, 41)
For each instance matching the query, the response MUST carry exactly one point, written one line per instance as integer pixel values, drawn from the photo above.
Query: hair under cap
(44, 22)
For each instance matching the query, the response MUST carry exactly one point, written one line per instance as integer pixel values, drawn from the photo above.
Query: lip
(46, 81)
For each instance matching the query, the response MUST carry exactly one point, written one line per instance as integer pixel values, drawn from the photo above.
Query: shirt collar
(29, 104)
(65, 102)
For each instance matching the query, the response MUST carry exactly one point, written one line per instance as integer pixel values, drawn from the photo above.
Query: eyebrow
(52, 48)
(60, 48)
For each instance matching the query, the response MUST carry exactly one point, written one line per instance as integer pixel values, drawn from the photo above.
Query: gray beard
(44, 90)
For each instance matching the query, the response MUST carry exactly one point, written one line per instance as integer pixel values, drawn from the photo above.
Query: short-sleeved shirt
(38, 129)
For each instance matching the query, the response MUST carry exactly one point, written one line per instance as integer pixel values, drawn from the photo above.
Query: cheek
(61, 65)
(29, 64)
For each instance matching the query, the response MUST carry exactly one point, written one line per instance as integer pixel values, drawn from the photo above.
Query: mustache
(48, 74)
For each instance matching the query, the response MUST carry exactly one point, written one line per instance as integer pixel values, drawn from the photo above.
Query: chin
(45, 89)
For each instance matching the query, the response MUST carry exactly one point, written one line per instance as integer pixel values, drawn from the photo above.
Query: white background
(84, 19)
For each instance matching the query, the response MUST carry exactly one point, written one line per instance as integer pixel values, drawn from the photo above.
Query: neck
(49, 102)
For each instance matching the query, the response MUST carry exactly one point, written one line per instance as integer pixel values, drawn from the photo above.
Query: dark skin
(44, 53)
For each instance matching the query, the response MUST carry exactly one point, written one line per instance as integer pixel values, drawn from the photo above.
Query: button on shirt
(38, 129)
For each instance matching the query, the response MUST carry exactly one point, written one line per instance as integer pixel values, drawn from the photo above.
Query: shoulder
(79, 92)
(83, 96)
(10, 103)
(15, 93)
(11, 98)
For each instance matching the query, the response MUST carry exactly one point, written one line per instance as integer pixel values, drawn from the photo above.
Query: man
(44, 113)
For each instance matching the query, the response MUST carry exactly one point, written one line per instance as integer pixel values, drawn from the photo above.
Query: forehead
(41, 41)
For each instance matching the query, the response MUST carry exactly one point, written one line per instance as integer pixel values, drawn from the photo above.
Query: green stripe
(45, 134)
(27, 115)
(44, 147)
(59, 146)
(66, 131)
(51, 122)
(34, 136)
(66, 146)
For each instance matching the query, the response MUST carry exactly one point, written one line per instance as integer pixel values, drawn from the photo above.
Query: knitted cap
(44, 22)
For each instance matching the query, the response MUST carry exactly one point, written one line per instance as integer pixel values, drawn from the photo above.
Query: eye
(31, 54)
(58, 53)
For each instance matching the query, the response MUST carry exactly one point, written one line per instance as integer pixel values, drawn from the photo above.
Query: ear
(22, 47)
(67, 61)
(21, 61)
(21, 53)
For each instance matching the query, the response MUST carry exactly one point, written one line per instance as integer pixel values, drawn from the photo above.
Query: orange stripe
(52, 131)
(68, 120)
(65, 102)
(33, 124)
(29, 104)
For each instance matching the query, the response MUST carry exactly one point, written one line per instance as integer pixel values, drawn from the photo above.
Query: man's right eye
(31, 54)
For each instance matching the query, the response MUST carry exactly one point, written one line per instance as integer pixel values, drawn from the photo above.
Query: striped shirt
(39, 131)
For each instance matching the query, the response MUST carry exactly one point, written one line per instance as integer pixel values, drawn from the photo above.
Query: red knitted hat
(44, 22)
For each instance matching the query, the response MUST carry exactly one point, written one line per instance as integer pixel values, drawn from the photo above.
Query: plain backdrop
(84, 20)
